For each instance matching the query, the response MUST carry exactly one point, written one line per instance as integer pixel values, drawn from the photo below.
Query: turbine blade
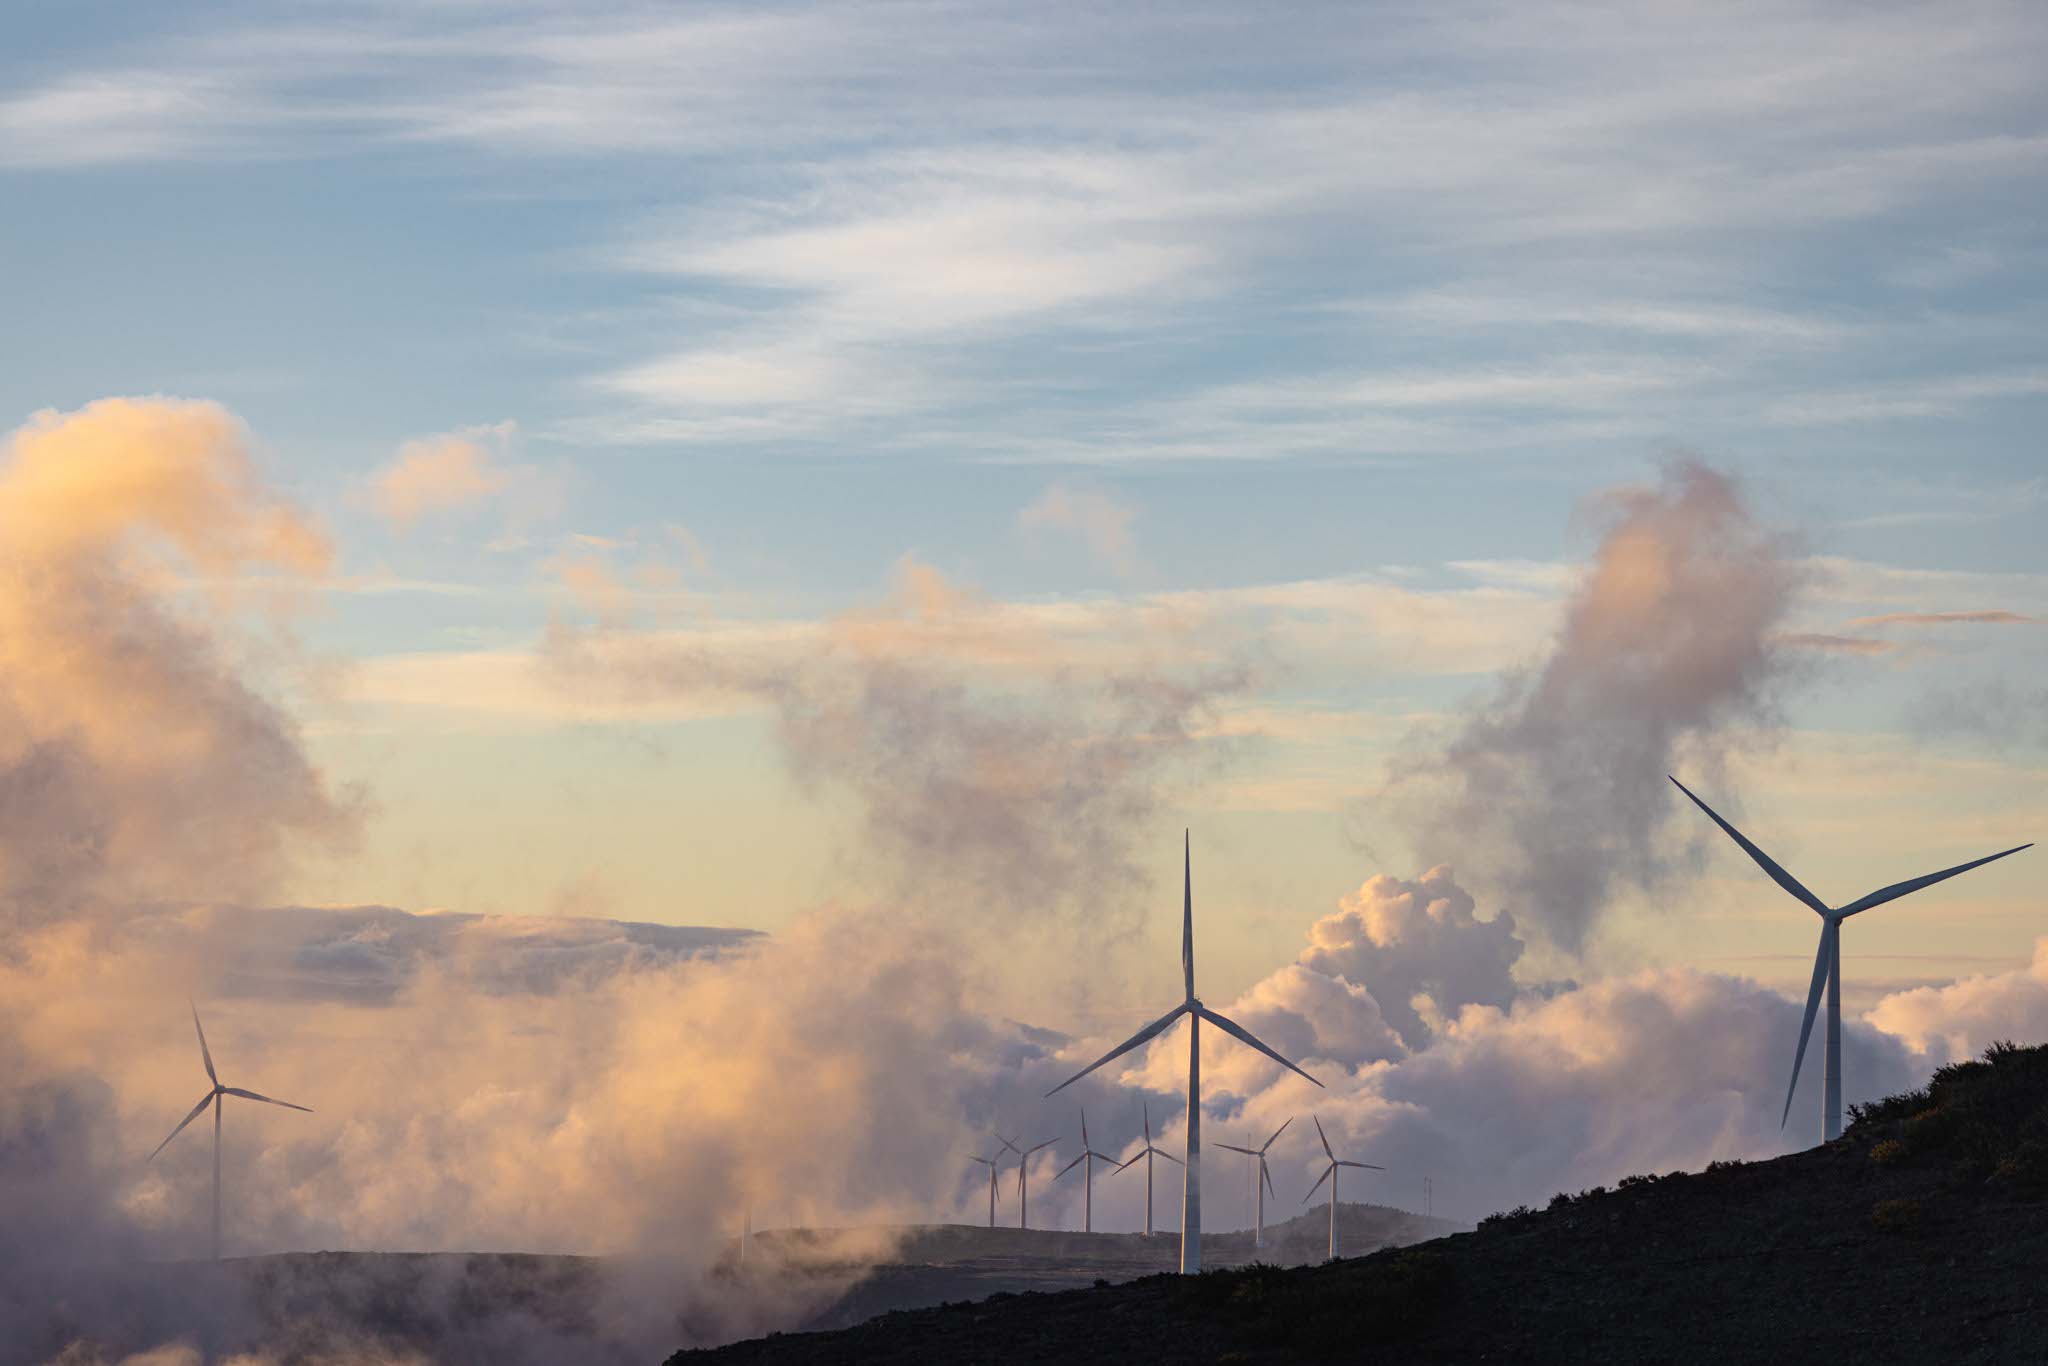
(251, 1095)
(1069, 1167)
(1268, 1177)
(1170, 1158)
(1319, 1183)
(1820, 977)
(1276, 1134)
(1142, 1036)
(1148, 1123)
(1325, 1137)
(1248, 1152)
(1366, 1165)
(1084, 1128)
(1134, 1157)
(1899, 889)
(1763, 860)
(1008, 1144)
(205, 1053)
(1243, 1035)
(1187, 913)
(197, 1110)
(1036, 1146)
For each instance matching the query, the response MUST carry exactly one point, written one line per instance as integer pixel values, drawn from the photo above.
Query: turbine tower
(1023, 1167)
(990, 1163)
(1192, 1007)
(1148, 1152)
(1330, 1175)
(213, 1098)
(1090, 1157)
(1827, 963)
(1259, 1227)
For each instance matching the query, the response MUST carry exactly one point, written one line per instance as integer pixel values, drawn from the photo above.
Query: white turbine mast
(1086, 1161)
(1827, 963)
(1330, 1175)
(1261, 1175)
(1023, 1169)
(214, 1098)
(990, 1163)
(1192, 1007)
(1148, 1152)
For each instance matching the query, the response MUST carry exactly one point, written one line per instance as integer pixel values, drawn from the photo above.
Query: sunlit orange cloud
(438, 473)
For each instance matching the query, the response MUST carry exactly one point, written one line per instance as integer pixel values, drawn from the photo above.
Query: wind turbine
(990, 1163)
(1023, 1167)
(1090, 1157)
(1330, 1175)
(1191, 1178)
(1827, 963)
(213, 1098)
(1148, 1152)
(1259, 1228)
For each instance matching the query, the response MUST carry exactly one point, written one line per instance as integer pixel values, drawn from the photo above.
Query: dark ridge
(1921, 1235)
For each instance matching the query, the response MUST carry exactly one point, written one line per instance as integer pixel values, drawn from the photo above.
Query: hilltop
(1921, 1235)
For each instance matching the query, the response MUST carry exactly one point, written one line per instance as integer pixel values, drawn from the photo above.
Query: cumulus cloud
(1967, 1016)
(134, 760)
(1553, 788)
(440, 473)
(1102, 522)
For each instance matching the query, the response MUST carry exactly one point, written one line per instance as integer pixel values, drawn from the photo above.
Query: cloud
(1966, 1016)
(1102, 522)
(1831, 644)
(441, 473)
(134, 762)
(1978, 618)
(1554, 786)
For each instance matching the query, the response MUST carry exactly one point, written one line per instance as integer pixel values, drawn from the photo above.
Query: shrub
(2025, 1168)
(1629, 1183)
(1888, 1152)
(1897, 1216)
(1507, 1217)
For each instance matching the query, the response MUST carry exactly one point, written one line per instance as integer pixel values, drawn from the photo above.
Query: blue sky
(755, 302)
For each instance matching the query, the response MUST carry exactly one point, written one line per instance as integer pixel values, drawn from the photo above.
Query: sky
(741, 466)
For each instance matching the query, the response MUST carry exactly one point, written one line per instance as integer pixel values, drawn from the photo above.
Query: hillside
(1920, 1236)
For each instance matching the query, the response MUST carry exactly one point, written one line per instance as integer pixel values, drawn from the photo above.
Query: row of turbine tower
(1262, 1182)
(1827, 976)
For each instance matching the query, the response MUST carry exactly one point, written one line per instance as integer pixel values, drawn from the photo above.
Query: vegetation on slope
(1922, 1234)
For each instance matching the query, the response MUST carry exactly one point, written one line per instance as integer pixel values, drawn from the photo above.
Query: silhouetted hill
(1920, 1236)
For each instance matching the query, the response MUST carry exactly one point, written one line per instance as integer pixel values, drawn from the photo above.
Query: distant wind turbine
(990, 1163)
(1148, 1152)
(1086, 1161)
(1827, 963)
(1330, 1175)
(213, 1098)
(1023, 1171)
(1191, 1179)
(1259, 1227)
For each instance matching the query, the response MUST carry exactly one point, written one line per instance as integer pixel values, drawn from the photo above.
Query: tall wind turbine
(1827, 963)
(1330, 1175)
(1148, 1152)
(213, 1098)
(990, 1163)
(1023, 1169)
(1192, 1007)
(1086, 1161)
(1259, 1228)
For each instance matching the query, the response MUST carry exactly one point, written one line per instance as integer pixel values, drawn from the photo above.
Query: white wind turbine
(990, 1163)
(1259, 1227)
(1191, 1179)
(1023, 1170)
(1148, 1152)
(1330, 1175)
(1827, 963)
(1086, 1161)
(213, 1098)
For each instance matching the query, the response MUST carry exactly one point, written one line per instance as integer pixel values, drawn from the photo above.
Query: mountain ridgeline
(1920, 1235)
